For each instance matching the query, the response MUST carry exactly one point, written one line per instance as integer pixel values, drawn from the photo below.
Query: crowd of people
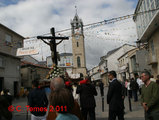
(77, 101)
(148, 89)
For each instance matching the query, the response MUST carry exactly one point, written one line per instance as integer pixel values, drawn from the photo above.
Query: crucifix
(52, 43)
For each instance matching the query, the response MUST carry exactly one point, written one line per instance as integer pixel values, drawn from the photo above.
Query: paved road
(136, 114)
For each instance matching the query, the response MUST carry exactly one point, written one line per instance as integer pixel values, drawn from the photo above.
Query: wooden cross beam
(50, 37)
(52, 43)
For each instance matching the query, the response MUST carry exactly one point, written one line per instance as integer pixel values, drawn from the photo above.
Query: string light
(104, 22)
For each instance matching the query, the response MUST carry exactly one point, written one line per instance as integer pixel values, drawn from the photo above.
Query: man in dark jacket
(8, 97)
(87, 101)
(38, 102)
(114, 98)
(4, 112)
(101, 85)
(134, 87)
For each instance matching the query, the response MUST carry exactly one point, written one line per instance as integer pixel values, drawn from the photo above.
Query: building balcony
(122, 69)
(96, 77)
(103, 70)
(151, 27)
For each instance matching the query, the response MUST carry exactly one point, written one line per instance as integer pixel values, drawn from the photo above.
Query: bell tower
(78, 49)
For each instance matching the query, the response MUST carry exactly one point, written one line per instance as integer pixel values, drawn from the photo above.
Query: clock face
(77, 37)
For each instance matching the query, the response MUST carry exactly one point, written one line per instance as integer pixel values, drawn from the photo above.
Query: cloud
(36, 17)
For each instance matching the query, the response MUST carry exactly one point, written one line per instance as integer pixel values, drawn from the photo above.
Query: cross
(52, 43)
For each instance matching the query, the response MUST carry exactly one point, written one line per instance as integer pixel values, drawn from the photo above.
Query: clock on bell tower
(78, 48)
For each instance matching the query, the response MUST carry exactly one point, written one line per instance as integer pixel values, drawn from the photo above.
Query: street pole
(129, 99)
(129, 102)
(27, 112)
(102, 103)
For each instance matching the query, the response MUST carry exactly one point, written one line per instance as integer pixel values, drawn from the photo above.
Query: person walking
(87, 101)
(150, 97)
(139, 82)
(114, 98)
(126, 89)
(134, 87)
(75, 95)
(37, 99)
(101, 85)
(129, 90)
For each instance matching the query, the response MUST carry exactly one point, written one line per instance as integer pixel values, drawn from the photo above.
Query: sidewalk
(136, 114)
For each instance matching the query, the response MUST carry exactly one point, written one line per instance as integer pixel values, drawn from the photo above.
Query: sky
(36, 17)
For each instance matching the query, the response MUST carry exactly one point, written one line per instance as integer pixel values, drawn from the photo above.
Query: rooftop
(11, 30)
(25, 63)
(66, 54)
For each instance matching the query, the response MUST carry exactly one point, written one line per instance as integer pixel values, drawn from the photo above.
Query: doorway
(1, 83)
(15, 89)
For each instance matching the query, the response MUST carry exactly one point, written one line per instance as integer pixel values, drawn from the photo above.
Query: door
(1, 83)
(15, 89)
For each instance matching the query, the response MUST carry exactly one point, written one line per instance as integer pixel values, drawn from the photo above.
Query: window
(144, 15)
(148, 4)
(68, 60)
(78, 62)
(8, 39)
(1, 62)
(153, 7)
(77, 37)
(133, 63)
(19, 44)
(157, 3)
(144, 6)
(77, 44)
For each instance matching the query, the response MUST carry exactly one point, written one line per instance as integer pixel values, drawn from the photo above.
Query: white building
(103, 69)
(131, 63)
(111, 60)
(66, 62)
(94, 73)
(127, 63)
